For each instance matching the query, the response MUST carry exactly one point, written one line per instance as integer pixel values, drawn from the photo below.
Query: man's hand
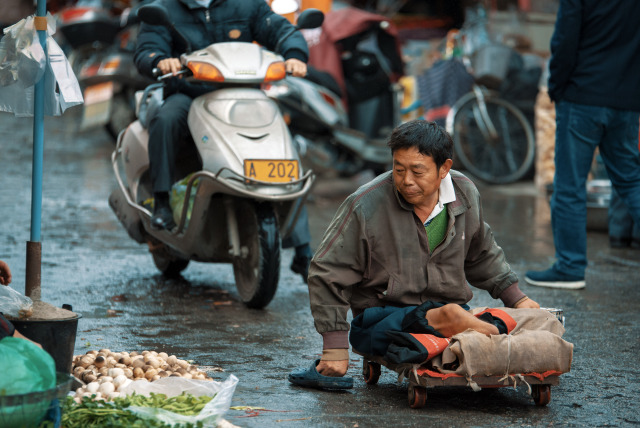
(5, 273)
(528, 303)
(333, 368)
(295, 67)
(170, 65)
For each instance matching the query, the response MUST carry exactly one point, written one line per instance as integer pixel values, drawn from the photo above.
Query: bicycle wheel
(495, 144)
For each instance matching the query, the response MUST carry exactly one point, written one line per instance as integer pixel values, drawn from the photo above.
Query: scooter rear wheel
(257, 269)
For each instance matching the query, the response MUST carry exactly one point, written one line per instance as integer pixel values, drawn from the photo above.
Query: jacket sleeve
(485, 264)
(564, 46)
(338, 265)
(154, 43)
(269, 27)
(6, 328)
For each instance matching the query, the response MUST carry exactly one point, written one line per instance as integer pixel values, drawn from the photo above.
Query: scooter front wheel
(169, 265)
(257, 268)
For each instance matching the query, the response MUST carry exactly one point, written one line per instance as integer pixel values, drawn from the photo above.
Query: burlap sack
(535, 345)
(531, 319)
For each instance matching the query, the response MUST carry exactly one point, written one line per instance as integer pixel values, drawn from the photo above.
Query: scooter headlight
(250, 113)
(205, 71)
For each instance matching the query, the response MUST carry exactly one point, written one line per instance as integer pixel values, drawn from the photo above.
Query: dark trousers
(166, 131)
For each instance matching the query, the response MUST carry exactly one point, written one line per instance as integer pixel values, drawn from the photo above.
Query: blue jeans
(621, 225)
(579, 130)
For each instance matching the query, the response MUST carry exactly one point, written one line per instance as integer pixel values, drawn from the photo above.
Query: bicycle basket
(491, 65)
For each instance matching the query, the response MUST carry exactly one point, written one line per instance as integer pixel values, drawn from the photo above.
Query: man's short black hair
(428, 137)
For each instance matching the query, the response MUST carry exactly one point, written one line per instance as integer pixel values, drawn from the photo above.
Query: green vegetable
(89, 413)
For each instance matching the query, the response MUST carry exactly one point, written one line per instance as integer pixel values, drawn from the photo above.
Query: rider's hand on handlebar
(170, 65)
(295, 67)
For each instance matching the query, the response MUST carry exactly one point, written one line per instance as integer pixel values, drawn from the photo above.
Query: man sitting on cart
(411, 235)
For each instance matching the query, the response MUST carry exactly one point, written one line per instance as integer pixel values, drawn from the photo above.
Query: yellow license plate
(272, 170)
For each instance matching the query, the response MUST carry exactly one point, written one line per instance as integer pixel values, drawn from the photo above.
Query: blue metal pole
(38, 138)
(34, 247)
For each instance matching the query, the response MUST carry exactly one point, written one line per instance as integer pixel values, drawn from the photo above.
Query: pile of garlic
(107, 373)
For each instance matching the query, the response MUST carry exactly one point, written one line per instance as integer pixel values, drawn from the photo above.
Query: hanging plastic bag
(23, 63)
(22, 58)
(15, 304)
(26, 369)
(222, 393)
(61, 88)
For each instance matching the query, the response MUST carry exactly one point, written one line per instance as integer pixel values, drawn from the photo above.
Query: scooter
(245, 185)
(346, 132)
(102, 59)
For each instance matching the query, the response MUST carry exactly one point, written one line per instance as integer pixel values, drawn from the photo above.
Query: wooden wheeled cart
(418, 383)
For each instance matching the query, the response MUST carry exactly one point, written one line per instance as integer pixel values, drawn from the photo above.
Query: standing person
(413, 235)
(594, 69)
(204, 22)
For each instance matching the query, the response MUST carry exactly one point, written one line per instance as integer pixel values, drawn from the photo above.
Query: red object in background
(524, 5)
(339, 24)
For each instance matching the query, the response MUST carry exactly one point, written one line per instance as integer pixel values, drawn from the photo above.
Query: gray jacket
(375, 253)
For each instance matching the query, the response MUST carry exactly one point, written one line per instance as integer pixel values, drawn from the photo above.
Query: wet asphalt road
(89, 261)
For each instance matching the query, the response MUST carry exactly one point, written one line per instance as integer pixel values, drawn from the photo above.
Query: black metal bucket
(57, 337)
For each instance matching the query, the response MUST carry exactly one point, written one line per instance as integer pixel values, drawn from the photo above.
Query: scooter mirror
(310, 18)
(154, 15)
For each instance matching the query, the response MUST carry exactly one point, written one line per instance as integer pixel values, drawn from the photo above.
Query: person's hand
(170, 65)
(333, 368)
(528, 303)
(5, 273)
(295, 67)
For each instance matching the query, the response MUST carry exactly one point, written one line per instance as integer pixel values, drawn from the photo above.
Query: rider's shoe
(162, 218)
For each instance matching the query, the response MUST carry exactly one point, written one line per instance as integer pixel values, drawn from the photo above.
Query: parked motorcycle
(102, 47)
(243, 188)
(343, 127)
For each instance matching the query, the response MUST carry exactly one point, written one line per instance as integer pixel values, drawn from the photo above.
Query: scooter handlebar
(157, 73)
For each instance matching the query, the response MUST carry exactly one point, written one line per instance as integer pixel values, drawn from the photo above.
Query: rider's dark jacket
(222, 21)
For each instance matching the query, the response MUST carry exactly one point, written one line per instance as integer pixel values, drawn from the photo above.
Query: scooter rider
(203, 22)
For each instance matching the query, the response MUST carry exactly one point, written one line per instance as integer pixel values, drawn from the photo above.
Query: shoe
(615, 242)
(310, 378)
(162, 219)
(552, 278)
(300, 264)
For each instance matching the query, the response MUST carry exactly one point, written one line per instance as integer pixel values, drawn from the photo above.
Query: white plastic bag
(22, 58)
(23, 63)
(210, 415)
(61, 88)
(14, 304)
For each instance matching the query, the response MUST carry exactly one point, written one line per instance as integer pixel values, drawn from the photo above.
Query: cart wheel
(417, 396)
(371, 372)
(541, 394)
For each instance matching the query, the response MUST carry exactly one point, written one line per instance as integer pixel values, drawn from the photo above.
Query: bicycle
(492, 138)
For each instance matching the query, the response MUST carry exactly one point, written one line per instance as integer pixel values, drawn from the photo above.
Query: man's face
(416, 176)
